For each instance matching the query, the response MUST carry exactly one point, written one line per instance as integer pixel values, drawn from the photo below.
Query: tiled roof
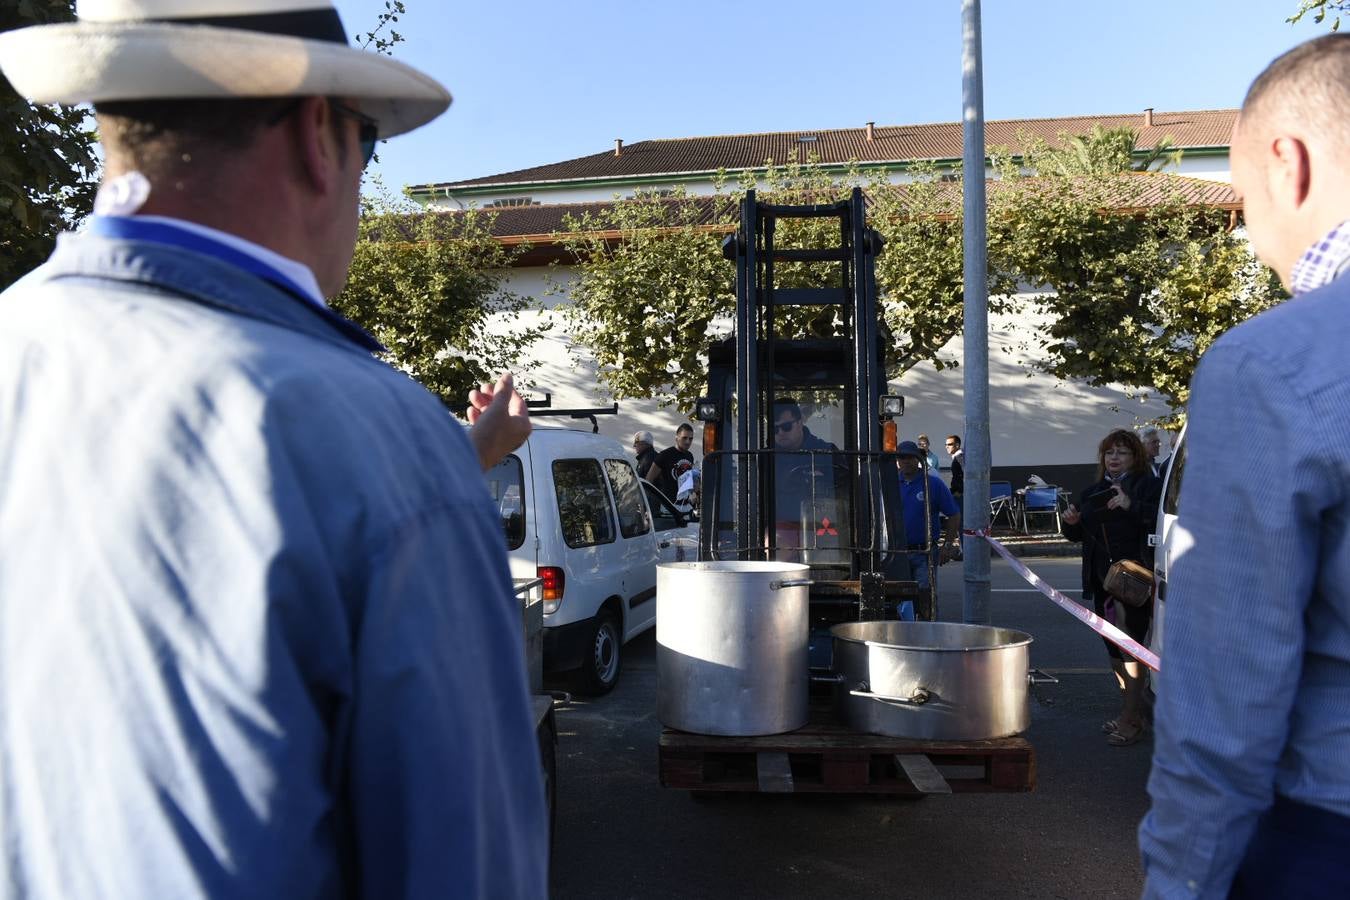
(1137, 191)
(890, 143)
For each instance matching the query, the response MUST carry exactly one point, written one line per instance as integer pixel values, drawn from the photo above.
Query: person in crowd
(1113, 518)
(1250, 792)
(1152, 441)
(942, 531)
(259, 635)
(930, 458)
(958, 485)
(644, 451)
(661, 472)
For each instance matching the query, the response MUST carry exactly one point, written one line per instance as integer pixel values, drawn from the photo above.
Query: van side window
(504, 482)
(633, 518)
(583, 502)
(1177, 469)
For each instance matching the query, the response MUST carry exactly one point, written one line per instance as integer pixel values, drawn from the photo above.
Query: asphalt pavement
(620, 834)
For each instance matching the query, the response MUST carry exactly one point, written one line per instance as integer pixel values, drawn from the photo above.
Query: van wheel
(600, 667)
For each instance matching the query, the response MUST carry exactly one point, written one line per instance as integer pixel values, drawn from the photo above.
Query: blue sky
(537, 82)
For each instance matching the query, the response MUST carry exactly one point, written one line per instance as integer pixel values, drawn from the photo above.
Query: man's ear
(1290, 171)
(320, 156)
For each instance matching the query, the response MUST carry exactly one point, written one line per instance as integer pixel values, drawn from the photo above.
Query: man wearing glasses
(803, 486)
(790, 433)
(257, 631)
(958, 485)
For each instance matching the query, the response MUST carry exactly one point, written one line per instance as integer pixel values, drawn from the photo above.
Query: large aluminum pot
(932, 680)
(731, 647)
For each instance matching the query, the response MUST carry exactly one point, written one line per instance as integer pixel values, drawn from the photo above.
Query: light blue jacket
(256, 630)
(1254, 698)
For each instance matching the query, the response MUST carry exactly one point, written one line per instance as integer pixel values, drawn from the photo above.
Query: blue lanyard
(129, 228)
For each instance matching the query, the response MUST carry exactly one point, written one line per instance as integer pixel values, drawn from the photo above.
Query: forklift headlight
(892, 405)
(706, 410)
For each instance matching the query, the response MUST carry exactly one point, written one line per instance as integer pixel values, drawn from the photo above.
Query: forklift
(831, 501)
(800, 465)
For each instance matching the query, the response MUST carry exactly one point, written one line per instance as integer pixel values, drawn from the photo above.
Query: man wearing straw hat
(257, 635)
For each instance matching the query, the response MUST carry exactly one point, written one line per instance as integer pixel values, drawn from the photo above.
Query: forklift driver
(802, 500)
(788, 431)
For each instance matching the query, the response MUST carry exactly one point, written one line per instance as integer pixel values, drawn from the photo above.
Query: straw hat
(201, 49)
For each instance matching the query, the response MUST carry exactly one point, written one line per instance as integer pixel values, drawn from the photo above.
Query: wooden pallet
(825, 757)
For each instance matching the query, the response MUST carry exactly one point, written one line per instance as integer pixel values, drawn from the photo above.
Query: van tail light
(889, 436)
(554, 582)
(709, 437)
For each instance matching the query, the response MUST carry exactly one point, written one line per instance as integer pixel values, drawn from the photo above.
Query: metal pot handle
(796, 582)
(918, 698)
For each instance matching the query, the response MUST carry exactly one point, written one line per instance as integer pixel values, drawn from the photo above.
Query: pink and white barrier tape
(1078, 611)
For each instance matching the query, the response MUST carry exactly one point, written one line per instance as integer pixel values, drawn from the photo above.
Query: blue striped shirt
(1322, 262)
(1255, 695)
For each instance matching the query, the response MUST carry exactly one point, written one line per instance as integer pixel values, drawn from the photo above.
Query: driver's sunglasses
(787, 426)
(368, 129)
(367, 133)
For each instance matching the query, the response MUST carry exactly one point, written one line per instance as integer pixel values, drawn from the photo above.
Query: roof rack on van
(544, 407)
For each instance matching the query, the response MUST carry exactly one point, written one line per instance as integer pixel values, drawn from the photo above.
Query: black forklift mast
(759, 350)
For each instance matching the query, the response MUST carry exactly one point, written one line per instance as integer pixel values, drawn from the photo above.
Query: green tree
(1319, 10)
(48, 168)
(1101, 152)
(1139, 274)
(651, 281)
(652, 289)
(431, 287)
(920, 274)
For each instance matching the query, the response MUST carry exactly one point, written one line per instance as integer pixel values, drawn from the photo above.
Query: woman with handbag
(1113, 518)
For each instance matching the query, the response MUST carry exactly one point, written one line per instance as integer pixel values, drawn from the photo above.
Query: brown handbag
(1129, 582)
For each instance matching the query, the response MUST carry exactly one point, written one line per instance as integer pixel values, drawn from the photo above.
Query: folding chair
(1042, 500)
(1001, 501)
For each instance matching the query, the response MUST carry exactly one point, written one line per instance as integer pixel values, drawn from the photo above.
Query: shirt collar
(1322, 262)
(297, 273)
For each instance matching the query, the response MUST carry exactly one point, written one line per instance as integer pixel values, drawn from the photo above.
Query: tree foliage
(48, 168)
(1139, 276)
(1320, 9)
(653, 289)
(432, 289)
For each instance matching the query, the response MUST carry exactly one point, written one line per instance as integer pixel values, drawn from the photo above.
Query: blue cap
(909, 448)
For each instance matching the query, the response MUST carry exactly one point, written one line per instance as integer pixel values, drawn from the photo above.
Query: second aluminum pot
(731, 647)
(932, 680)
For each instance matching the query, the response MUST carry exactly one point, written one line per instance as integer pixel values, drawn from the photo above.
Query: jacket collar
(200, 278)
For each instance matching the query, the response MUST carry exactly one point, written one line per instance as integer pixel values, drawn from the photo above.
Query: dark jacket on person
(645, 460)
(1110, 535)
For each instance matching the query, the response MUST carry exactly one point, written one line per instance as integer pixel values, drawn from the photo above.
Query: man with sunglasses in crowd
(257, 631)
(801, 480)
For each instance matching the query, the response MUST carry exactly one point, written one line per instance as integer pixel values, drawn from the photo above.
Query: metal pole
(975, 441)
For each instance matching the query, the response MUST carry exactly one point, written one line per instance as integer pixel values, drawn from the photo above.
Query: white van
(1172, 541)
(576, 514)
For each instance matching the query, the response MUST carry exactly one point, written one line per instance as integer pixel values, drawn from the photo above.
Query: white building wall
(1035, 420)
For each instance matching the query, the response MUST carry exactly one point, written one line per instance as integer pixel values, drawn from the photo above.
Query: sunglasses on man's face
(368, 129)
(787, 426)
